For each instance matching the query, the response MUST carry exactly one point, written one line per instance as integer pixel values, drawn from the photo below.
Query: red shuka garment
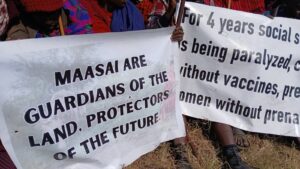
(253, 6)
(101, 18)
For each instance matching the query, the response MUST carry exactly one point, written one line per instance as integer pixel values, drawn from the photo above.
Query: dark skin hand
(177, 34)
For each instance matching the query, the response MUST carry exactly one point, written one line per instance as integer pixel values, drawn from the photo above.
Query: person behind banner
(154, 14)
(127, 15)
(288, 9)
(158, 14)
(114, 15)
(40, 18)
(110, 16)
(230, 137)
(14, 16)
(119, 16)
(252, 6)
(105, 16)
(5, 161)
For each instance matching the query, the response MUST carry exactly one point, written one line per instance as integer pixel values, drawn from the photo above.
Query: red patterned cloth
(253, 6)
(146, 7)
(3, 16)
(80, 22)
(152, 10)
(100, 18)
(42, 5)
(5, 161)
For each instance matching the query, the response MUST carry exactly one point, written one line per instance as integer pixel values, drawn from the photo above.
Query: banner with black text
(91, 101)
(240, 69)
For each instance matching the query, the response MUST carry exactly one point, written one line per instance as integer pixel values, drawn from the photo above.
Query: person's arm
(166, 19)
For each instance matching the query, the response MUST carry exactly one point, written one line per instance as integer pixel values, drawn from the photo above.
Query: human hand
(177, 34)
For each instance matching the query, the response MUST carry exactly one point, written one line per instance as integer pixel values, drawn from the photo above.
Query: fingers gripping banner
(240, 69)
(93, 101)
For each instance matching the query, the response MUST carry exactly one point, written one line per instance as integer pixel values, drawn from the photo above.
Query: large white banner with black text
(241, 69)
(92, 101)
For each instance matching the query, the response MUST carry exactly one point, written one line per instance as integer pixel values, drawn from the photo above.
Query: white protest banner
(92, 101)
(240, 69)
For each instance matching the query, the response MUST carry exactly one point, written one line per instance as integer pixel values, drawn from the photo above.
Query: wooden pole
(180, 13)
(229, 4)
(61, 26)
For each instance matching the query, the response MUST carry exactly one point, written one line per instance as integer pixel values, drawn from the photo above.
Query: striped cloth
(253, 6)
(5, 161)
(3, 16)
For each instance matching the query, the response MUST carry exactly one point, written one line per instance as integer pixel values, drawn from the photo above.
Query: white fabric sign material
(240, 69)
(92, 101)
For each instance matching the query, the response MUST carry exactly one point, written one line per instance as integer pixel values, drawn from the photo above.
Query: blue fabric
(127, 18)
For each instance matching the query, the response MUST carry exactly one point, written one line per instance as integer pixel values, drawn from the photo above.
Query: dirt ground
(265, 151)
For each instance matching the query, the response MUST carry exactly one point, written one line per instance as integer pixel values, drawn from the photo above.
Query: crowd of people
(23, 19)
